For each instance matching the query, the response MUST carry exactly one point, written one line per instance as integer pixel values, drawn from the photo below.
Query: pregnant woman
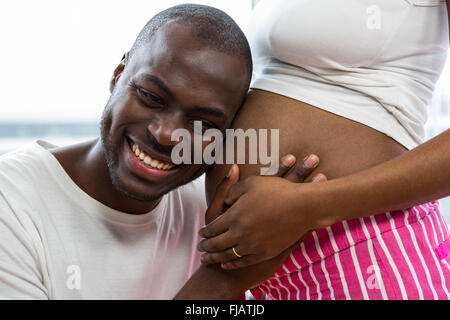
(349, 81)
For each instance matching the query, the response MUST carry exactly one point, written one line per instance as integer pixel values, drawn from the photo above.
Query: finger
(301, 171)
(219, 257)
(218, 226)
(225, 184)
(222, 189)
(286, 164)
(245, 261)
(319, 178)
(235, 192)
(217, 244)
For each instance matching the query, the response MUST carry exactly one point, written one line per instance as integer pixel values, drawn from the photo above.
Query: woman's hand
(263, 220)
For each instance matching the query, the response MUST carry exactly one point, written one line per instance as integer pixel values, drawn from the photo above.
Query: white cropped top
(372, 61)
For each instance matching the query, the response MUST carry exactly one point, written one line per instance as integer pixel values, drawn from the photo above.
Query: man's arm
(212, 283)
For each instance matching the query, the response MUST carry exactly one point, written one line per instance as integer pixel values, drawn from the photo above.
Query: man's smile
(145, 163)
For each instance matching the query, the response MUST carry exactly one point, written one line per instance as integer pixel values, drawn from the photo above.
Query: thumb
(217, 204)
(236, 191)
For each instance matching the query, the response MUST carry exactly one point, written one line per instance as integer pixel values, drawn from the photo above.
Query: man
(114, 218)
(107, 218)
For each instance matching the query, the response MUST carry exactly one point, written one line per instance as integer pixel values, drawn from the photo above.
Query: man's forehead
(172, 40)
(175, 52)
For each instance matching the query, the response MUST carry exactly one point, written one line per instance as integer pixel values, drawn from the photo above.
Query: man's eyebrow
(211, 111)
(199, 109)
(158, 82)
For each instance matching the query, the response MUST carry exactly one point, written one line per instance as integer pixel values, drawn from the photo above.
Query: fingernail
(311, 161)
(319, 178)
(229, 172)
(288, 160)
(202, 229)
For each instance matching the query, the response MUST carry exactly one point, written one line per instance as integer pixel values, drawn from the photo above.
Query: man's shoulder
(19, 160)
(23, 168)
(21, 173)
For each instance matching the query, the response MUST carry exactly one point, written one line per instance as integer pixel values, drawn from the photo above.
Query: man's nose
(163, 128)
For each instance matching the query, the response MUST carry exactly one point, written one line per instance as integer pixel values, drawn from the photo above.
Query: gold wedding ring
(237, 254)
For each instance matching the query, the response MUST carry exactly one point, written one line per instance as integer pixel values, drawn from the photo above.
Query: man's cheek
(124, 113)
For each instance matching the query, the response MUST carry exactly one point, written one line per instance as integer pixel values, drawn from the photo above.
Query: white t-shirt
(372, 61)
(56, 242)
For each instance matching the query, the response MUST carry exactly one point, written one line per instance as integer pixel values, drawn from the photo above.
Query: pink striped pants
(395, 255)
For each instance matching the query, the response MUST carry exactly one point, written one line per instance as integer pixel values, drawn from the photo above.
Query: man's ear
(118, 72)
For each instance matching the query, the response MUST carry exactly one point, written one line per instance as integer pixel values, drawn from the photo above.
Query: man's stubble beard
(112, 161)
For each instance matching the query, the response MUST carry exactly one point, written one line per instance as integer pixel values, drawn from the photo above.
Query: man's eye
(145, 95)
(205, 125)
(148, 95)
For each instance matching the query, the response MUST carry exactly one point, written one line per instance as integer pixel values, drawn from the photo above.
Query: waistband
(322, 243)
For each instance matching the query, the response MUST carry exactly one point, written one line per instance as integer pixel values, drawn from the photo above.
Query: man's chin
(148, 196)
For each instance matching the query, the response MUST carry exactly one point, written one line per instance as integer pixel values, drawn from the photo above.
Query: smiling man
(114, 218)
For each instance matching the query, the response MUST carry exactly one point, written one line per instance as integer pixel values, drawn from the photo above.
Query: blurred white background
(58, 56)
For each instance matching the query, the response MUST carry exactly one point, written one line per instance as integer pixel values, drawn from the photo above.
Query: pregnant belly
(344, 146)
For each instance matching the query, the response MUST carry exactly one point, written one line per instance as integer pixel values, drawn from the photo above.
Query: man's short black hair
(211, 26)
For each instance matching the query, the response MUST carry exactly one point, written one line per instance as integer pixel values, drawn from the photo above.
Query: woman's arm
(418, 176)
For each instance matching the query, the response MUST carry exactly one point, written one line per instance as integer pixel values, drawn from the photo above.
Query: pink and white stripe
(403, 254)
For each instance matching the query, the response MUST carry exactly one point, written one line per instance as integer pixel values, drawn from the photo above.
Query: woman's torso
(372, 61)
(306, 125)
(344, 146)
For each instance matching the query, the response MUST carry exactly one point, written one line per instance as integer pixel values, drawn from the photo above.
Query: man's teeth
(149, 161)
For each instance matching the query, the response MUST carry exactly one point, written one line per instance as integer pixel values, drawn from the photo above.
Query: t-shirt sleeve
(20, 271)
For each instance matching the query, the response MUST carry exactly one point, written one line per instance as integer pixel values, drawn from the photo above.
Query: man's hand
(260, 224)
(211, 281)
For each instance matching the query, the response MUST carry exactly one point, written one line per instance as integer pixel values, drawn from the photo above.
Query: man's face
(166, 85)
